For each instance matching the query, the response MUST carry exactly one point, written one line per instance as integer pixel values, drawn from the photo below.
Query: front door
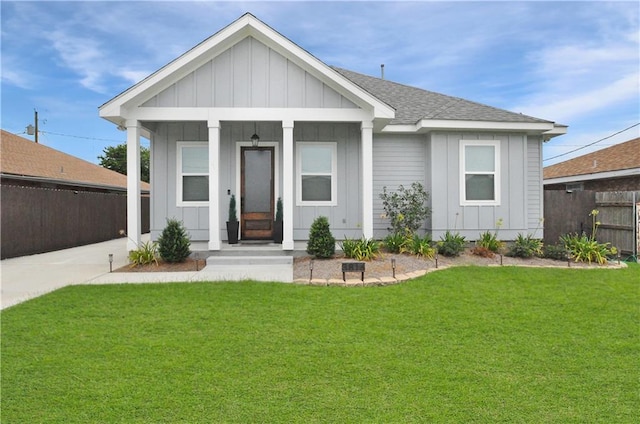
(256, 214)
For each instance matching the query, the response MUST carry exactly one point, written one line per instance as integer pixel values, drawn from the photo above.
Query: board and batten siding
(249, 74)
(164, 179)
(397, 160)
(470, 221)
(345, 219)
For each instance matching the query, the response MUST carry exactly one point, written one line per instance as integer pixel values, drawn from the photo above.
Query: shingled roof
(20, 157)
(414, 104)
(615, 158)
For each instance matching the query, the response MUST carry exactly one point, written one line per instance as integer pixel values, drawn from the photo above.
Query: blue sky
(575, 63)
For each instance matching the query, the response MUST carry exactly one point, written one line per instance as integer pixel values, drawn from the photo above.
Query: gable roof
(20, 157)
(620, 157)
(245, 26)
(396, 107)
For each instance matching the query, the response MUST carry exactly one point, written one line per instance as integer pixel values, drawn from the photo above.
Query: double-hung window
(480, 172)
(316, 177)
(193, 173)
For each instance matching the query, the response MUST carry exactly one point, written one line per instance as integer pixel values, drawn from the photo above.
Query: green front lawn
(459, 345)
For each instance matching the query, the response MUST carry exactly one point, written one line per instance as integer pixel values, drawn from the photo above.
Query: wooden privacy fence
(619, 218)
(36, 219)
(567, 212)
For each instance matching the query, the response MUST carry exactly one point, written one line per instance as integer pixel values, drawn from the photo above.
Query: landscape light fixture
(255, 138)
(110, 262)
(393, 266)
(310, 270)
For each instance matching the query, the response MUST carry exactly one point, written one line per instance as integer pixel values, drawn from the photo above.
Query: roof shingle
(414, 104)
(22, 157)
(615, 158)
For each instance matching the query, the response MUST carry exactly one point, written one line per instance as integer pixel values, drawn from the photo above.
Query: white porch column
(134, 222)
(287, 185)
(214, 184)
(367, 179)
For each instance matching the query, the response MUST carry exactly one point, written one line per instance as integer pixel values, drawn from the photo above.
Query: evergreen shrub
(174, 243)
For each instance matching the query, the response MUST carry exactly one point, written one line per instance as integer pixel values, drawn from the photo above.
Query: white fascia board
(596, 176)
(427, 125)
(248, 114)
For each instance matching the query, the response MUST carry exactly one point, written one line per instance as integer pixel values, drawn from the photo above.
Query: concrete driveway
(27, 277)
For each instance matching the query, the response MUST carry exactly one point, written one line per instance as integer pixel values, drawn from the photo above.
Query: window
(571, 187)
(480, 167)
(316, 182)
(193, 174)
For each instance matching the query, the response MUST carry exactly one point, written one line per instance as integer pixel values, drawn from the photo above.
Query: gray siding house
(329, 141)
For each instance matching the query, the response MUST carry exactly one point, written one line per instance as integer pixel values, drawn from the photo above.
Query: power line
(591, 144)
(80, 136)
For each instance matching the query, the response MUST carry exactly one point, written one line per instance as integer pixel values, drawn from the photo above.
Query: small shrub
(279, 209)
(419, 246)
(321, 242)
(406, 208)
(361, 250)
(393, 242)
(554, 251)
(526, 247)
(489, 241)
(174, 243)
(146, 254)
(451, 244)
(585, 249)
(233, 213)
(483, 252)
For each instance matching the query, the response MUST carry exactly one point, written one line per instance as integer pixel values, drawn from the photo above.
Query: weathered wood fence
(618, 219)
(36, 219)
(618, 215)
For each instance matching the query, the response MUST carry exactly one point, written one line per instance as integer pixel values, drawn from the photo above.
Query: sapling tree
(406, 208)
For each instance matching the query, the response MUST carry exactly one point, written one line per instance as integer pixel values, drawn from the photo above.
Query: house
(52, 200)
(249, 113)
(615, 168)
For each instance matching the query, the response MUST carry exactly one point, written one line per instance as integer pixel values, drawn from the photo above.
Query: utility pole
(36, 118)
(31, 130)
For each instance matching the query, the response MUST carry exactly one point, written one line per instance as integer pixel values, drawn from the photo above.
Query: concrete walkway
(27, 277)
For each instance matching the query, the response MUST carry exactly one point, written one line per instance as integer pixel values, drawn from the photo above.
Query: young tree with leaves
(115, 159)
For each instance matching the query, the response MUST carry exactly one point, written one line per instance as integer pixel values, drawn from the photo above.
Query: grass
(460, 345)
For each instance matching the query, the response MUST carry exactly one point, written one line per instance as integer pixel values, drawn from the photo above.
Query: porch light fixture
(255, 138)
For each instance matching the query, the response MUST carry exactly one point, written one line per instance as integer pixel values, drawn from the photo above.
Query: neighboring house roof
(616, 161)
(20, 157)
(414, 104)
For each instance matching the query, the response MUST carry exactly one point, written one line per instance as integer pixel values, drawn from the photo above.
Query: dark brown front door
(256, 216)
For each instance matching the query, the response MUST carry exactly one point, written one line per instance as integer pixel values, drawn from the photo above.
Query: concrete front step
(249, 260)
(258, 268)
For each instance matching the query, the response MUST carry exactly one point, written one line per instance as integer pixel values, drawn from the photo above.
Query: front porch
(200, 249)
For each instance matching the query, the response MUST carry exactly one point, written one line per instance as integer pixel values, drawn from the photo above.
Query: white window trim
(497, 175)
(179, 146)
(334, 173)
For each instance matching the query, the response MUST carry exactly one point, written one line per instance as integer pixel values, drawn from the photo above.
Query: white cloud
(565, 107)
(82, 55)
